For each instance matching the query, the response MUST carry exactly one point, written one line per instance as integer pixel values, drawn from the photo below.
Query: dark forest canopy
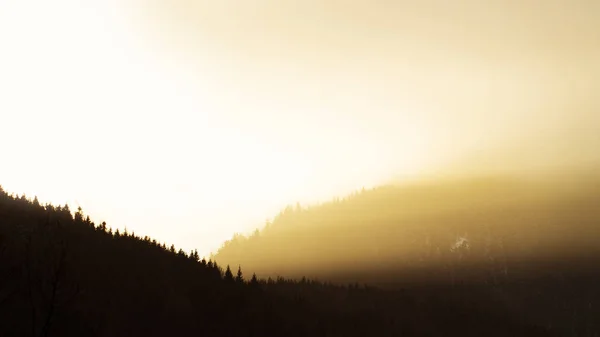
(64, 275)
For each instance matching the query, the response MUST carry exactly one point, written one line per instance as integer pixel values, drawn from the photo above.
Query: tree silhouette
(239, 278)
(194, 255)
(228, 274)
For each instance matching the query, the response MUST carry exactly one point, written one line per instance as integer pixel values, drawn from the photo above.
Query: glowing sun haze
(191, 120)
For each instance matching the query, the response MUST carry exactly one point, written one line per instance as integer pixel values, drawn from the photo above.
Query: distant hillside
(478, 221)
(507, 234)
(63, 275)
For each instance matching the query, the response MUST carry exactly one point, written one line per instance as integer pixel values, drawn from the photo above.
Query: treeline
(61, 274)
(531, 243)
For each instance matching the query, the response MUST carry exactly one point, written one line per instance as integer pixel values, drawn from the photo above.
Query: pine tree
(88, 221)
(79, 214)
(228, 274)
(194, 255)
(240, 277)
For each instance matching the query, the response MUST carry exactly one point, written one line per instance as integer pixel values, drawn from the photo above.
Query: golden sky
(190, 120)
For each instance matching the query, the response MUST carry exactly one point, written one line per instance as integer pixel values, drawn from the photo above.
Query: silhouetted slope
(63, 275)
(530, 243)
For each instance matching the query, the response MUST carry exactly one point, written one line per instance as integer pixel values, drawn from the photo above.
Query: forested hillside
(63, 275)
(530, 242)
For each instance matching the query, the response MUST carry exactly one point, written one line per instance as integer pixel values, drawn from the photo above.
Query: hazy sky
(190, 120)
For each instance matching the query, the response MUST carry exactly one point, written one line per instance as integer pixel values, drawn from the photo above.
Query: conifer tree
(228, 274)
(194, 255)
(239, 277)
(79, 214)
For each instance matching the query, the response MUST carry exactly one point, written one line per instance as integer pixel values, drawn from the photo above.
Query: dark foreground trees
(63, 275)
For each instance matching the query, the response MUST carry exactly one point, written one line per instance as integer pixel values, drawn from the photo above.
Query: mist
(215, 116)
(414, 88)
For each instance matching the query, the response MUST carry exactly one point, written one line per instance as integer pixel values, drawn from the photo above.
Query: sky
(191, 120)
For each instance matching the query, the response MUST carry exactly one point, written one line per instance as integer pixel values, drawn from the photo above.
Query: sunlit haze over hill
(192, 120)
